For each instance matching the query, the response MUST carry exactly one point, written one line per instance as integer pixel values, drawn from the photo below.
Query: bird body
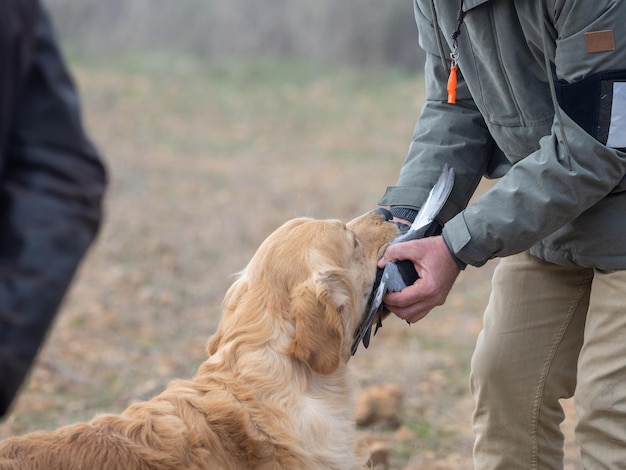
(396, 276)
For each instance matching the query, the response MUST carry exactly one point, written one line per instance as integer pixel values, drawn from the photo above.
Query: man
(51, 187)
(541, 104)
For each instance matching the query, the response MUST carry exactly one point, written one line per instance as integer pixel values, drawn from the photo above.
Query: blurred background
(361, 33)
(219, 120)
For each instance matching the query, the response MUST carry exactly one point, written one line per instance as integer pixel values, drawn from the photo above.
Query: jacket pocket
(596, 105)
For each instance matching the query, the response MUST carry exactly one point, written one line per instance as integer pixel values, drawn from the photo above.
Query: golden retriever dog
(275, 391)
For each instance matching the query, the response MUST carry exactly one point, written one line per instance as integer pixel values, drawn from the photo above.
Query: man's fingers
(411, 313)
(437, 270)
(395, 252)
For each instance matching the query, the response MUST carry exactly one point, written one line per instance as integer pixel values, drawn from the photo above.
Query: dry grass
(203, 166)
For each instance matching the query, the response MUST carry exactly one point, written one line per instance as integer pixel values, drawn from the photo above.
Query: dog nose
(384, 213)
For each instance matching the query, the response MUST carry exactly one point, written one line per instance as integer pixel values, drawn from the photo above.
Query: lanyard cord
(454, 55)
(459, 22)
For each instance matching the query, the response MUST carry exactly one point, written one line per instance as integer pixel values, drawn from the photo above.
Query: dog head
(307, 288)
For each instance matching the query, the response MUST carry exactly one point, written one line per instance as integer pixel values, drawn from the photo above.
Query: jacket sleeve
(568, 175)
(51, 188)
(445, 133)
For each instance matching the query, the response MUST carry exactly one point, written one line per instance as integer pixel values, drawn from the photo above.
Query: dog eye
(355, 241)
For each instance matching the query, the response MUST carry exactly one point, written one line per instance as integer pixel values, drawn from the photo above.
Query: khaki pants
(549, 331)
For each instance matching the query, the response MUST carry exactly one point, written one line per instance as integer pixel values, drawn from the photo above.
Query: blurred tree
(362, 33)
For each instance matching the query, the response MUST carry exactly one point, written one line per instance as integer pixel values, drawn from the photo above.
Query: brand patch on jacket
(599, 41)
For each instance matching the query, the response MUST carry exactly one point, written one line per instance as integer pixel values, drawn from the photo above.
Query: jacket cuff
(458, 239)
(408, 197)
(461, 264)
(405, 213)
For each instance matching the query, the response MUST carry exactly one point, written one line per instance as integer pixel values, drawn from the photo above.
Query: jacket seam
(505, 74)
(527, 124)
(438, 34)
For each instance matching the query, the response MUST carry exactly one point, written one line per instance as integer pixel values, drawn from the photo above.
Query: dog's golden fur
(274, 392)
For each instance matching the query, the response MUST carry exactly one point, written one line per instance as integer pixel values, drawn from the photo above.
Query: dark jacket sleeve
(52, 182)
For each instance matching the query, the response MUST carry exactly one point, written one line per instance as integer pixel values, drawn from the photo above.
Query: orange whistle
(452, 85)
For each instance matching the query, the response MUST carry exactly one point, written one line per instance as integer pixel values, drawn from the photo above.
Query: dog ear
(319, 330)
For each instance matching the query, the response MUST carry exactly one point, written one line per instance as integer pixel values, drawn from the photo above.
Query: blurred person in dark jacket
(52, 182)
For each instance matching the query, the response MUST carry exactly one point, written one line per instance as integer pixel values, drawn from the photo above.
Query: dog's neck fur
(311, 398)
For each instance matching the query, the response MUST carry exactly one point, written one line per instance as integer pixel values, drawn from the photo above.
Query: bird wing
(391, 279)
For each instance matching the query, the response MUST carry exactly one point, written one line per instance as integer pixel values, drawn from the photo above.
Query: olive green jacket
(561, 193)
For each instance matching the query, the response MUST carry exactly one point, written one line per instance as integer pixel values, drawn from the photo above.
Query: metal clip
(454, 57)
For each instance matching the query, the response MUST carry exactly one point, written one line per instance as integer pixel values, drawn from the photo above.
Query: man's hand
(437, 270)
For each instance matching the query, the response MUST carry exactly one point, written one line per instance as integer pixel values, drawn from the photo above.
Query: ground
(203, 165)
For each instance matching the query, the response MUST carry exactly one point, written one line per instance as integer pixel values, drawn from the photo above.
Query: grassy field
(203, 166)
